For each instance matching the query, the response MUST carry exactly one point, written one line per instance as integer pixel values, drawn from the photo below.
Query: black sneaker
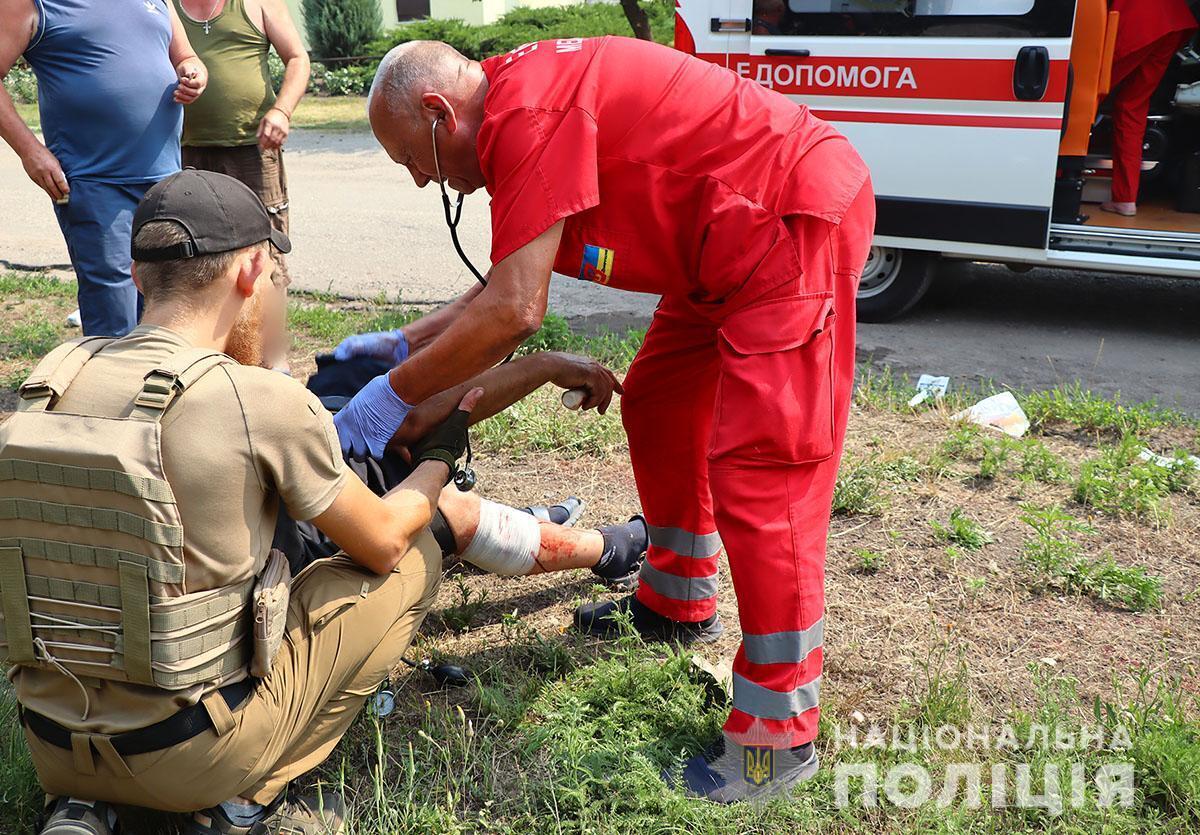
(625, 551)
(599, 619)
(729, 773)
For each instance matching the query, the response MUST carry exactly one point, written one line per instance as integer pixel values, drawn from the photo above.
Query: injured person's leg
(511, 542)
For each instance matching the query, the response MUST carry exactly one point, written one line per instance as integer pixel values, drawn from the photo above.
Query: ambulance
(983, 124)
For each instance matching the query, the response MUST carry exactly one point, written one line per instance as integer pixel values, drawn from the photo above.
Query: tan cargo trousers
(346, 630)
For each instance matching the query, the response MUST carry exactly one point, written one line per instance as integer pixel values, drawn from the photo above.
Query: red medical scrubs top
(1145, 21)
(674, 175)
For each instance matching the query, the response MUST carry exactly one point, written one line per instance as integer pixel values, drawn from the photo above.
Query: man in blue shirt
(112, 79)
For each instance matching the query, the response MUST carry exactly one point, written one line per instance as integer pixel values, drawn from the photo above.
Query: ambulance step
(1137, 242)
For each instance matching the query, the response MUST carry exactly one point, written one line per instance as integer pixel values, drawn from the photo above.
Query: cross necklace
(211, 14)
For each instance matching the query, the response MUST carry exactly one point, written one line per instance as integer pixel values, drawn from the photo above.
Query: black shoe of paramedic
(603, 620)
(624, 550)
(71, 816)
(723, 773)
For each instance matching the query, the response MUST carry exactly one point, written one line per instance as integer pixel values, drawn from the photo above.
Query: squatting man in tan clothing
(157, 657)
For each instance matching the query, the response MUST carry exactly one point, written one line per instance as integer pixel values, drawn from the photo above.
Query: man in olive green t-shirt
(242, 124)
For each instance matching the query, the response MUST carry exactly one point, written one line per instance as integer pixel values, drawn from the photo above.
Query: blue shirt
(105, 88)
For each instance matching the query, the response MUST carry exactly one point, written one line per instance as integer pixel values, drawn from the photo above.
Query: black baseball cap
(219, 213)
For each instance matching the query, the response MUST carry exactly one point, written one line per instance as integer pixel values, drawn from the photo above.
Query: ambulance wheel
(893, 281)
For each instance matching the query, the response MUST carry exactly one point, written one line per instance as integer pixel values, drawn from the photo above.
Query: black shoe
(72, 816)
(600, 619)
(624, 552)
(728, 773)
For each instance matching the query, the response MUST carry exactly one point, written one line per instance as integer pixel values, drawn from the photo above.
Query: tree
(341, 28)
(637, 18)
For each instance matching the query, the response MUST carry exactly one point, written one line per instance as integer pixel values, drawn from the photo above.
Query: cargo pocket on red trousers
(775, 393)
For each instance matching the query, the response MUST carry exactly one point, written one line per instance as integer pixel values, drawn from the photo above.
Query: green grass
(1120, 483)
(1057, 560)
(862, 486)
(1070, 405)
(1086, 410)
(332, 113)
(868, 561)
(20, 798)
(15, 286)
(961, 530)
(557, 740)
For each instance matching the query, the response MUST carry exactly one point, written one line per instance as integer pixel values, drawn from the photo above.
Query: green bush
(341, 28)
(523, 25)
(21, 84)
(347, 81)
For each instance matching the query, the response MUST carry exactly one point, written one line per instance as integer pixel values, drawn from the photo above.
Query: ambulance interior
(1168, 214)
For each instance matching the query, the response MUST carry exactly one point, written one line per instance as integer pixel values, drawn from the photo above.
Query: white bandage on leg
(506, 542)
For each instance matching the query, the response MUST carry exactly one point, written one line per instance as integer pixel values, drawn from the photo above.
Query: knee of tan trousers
(347, 630)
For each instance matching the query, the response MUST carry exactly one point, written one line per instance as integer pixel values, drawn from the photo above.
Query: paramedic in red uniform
(1148, 34)
(639, 167)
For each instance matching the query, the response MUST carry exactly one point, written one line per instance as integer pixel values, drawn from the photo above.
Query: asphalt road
(360, 227)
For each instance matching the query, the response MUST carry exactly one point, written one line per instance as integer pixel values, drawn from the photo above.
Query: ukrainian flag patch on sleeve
(597, 264)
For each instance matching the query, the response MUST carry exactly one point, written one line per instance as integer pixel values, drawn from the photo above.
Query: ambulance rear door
(956, 105)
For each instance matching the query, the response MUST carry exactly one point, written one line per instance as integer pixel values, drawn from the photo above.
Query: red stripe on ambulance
(940, 119)
(977, 79)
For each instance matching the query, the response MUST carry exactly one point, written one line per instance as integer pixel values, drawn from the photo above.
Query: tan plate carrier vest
(91, 544)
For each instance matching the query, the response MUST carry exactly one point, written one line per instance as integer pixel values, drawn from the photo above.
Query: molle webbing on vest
(141, 487)
(77, 516)
(49, 549)
(85, 608)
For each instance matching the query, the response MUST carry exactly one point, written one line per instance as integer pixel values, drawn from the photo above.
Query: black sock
(623, 546)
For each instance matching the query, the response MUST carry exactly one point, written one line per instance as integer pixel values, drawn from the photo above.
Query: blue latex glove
(368, 422)
(381, 345)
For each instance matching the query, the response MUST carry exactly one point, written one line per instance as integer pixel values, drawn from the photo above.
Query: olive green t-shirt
(234, 445)
(239, 91)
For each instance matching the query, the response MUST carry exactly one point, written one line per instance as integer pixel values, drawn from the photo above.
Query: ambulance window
(900, 18)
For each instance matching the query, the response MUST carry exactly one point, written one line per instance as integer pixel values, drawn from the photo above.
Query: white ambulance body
(978, 119)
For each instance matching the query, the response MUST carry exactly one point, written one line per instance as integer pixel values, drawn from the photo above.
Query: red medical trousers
(1135, 77)
(735, 426)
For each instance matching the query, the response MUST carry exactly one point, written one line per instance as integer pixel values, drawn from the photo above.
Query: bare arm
(423, 331)
(193, 75)
(20, 24)
(495, 322)
(377, 532)
(281, 32)
(505, 384)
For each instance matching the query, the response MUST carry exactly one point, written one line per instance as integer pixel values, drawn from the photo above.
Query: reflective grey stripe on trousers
(783, 647)
(685, 543)
(765, 703)
(676, 587)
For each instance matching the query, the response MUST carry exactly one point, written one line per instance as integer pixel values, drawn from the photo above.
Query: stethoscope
(452, 218)
(464, 478)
